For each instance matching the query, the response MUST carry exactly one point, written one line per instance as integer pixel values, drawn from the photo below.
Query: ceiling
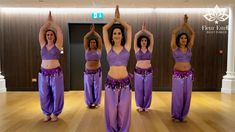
(121, 3)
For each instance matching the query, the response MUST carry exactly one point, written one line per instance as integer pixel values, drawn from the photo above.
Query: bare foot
(46, 119)
(140, 109)
(97, 106)
(146, 109)
(54, 118)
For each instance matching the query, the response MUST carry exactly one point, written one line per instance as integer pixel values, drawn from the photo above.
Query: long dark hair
(139, 41)
(117, 26)
(53, 33)
(178, 39)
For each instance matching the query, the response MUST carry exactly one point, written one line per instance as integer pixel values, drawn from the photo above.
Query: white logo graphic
(217, 14)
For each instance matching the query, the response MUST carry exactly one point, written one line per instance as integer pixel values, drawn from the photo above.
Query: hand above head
(92, 28)
(117, 13)
(185, 18)
(50, 17)
(143, 27)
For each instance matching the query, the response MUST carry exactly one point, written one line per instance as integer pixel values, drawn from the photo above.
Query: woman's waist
(115, 68)
(182, 63)
(118, 72)
(182, 74)
(182, 66)
(93, 71)
(144, 61)
(117, 84)
(50, 64)
(143, 71)
(92, 64)
(143, 64)
(51, 71)
(50, 61)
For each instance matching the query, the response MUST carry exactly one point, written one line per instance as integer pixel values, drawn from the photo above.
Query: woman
(182, 76)
(50, 77)
(92, 73)
(143, 46)
(117, 85)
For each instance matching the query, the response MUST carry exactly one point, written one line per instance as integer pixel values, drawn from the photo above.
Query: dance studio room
(117, 65)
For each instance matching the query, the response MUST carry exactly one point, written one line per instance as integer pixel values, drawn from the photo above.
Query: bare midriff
(182, 66)
(118, 72)
(144, 64)
(92, 65)
(50, 64)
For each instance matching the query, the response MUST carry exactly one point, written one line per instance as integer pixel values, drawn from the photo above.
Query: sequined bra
(120, 59)
(179, 56)
(143, 56)
(92, 55)
(52, 54)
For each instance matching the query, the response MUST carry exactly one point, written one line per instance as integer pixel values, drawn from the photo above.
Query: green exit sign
(97, 15)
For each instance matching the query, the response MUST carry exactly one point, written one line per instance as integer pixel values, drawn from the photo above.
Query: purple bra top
(52, 54)
(120, 59)
(143, 56)
(182, 57)
(92, 55)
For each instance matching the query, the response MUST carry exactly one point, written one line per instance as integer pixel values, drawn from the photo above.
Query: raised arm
(99, 40)
(137, 35)
(107, 44)
(173, 37)
(42, 32)
(126, 26)
(192, 34)
(85, 39)
(129, 33)
(188, 27)
(59, 34)
(43, 29)
(105, 30)
(150, 35)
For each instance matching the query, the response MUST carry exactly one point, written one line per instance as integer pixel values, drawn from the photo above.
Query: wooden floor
(209, 112)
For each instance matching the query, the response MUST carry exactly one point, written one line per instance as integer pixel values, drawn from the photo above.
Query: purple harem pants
(143, 87)
(51, 90)
(181, 93)
(117, 104)
(92, 86)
